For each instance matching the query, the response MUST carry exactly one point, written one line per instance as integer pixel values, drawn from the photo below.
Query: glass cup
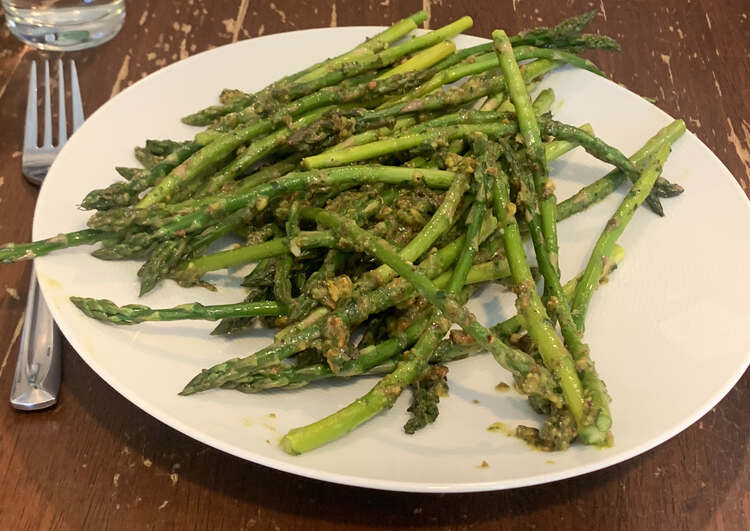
(63, 25)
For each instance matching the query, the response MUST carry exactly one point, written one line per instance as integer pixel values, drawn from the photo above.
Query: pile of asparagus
(374, 194)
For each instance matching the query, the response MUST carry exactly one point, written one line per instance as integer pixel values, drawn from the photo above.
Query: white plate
(669, 332)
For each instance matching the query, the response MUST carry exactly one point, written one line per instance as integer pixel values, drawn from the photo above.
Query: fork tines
(35, 157)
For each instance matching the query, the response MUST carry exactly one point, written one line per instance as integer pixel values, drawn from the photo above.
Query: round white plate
(669, 332)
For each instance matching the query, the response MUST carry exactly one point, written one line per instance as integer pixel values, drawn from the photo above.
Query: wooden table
(95, 461)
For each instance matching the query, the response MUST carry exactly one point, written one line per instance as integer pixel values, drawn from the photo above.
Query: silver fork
(37, 377)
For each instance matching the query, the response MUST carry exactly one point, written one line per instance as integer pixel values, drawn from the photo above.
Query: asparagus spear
(377, 43)
(567, 34)
(422, 60)
(562, 56)
(190, 272)
(282, 283)
(163, 147)
(106, 310)
(560, 34)
(602, 151)
(16, 252)
(532, 139)
(557, 148)
(402, 143)
(612, 231)
(604, 186)
(373, 134)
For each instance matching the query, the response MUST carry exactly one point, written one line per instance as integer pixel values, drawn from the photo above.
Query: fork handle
(37, 379)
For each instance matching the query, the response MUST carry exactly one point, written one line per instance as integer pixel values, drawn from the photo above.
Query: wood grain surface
(97, 462)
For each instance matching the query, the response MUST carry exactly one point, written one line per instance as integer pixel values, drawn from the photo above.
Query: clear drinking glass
(63, 25)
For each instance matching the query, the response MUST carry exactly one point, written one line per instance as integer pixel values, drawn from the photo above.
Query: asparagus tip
(188, 390)
(147, 284)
